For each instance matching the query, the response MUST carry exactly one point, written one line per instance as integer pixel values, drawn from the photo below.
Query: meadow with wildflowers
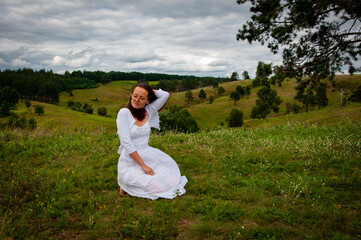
(288, 181)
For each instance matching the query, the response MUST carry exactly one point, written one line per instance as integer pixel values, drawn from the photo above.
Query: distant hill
(115, 95)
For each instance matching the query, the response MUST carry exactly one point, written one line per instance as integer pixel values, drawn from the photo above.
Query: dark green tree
(318, 37)
(267, 101)
(211, 99)
(221, 90)
(245, 75)
(27, 103)
(234, 76)
(202, 94)
(248, 90)
(4, 109)
(235, 119)
(235, 96)
(279, 76)
(263, 71)
(102, 111)
(292, 108)
(356, 95)
(178, 119)
(32, 124)
(9, 95)
(189, 96)
(305, 94)
(89, 109)
(321, 96)
(39, 109)
(241, 90)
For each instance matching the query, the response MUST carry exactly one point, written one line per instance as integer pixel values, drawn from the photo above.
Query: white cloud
(19, 63)
(57, 61)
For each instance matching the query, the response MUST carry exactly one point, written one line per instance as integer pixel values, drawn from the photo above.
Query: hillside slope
(213, 115)
(115, 95)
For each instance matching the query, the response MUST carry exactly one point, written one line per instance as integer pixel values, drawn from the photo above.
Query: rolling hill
(115, 95)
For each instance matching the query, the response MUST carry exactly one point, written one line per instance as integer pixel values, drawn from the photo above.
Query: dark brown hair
(140, 113)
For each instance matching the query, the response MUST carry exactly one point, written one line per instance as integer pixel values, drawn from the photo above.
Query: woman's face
(139, 98)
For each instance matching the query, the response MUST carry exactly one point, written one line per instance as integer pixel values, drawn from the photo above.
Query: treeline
(46, 86)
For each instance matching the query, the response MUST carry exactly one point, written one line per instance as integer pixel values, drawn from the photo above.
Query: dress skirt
(166, 182)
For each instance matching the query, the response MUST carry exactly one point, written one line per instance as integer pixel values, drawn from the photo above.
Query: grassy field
(297, 176)
(291, 181)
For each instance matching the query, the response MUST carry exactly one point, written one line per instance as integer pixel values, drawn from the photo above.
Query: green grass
(296, 176)
(289, 181)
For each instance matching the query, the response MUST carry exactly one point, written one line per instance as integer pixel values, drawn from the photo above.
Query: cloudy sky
(186, 37)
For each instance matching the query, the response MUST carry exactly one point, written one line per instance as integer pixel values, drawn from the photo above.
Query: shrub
(71, 103)
(235, 119)
(27, 103)
(356, 95)
(178, 119)
(221, 91)
(4, 109)
(15, 121)
(39, 109)
(88, 109)
(202, 94)
(32, 124)
(102, 111)
(292, 108)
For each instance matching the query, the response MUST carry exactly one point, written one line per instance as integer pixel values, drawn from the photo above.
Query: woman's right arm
(139, 160)
(123, 130)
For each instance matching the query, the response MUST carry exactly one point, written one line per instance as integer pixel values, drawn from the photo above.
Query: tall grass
(289, 181)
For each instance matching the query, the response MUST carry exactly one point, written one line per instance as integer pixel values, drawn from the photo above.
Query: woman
(144, 171)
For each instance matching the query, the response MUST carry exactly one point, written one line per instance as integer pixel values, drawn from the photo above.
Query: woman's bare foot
(121, 192)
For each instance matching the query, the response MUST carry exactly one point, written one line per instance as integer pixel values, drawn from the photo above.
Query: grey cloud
(187, 37)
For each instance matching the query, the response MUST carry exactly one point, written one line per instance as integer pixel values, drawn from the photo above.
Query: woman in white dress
(144, 171)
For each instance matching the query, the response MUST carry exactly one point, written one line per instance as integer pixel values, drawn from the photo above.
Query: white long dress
(166, 182)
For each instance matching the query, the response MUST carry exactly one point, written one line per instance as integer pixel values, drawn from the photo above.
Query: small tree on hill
(4, 109)
(321, 96)
(221, 90)
(234, 76)
(235, 118)
(356, 95)
(202, 94)
(264, 70)
(211, 99)
(245, 75)
(27, 103)
(241, 90)
(235, 96)
(267, 101)
(189, 96)
(342, 87)
(39, 109)
(305, 94)
(177, 119)
(248, 91)
(279, 76)
(102, 111)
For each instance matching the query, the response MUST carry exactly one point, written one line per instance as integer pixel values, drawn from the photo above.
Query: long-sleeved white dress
(167, 181)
